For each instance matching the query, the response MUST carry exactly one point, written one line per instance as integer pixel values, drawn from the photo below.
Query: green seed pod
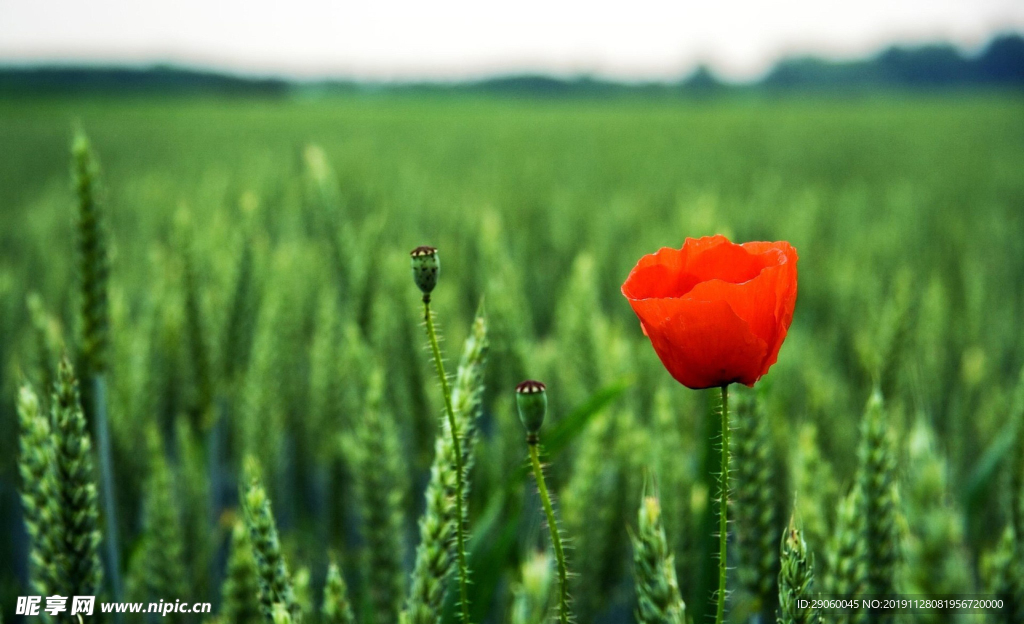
(532, 399)
(425, 268)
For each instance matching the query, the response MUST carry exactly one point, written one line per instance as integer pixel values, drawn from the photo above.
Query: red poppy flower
(716, 312)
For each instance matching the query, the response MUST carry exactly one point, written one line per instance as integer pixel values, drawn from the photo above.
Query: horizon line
(296, 76)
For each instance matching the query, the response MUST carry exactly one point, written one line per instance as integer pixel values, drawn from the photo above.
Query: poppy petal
(703, 344)
(660, 274)
(753, 301)
(726, 262)
(786, 285)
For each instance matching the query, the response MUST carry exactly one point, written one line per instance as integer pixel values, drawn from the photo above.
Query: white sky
(394, 39)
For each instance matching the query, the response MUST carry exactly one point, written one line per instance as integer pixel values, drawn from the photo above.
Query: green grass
(907, 213)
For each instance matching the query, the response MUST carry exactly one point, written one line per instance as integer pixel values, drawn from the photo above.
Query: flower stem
(460, 529)
(556, 540)
(723, 505)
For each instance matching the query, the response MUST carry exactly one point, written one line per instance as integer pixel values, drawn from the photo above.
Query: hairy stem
(723, 505)
(556, 540)
(460, 529)
(435, 554)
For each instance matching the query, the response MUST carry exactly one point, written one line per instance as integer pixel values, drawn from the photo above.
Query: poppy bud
(532, 399)
(425, 267)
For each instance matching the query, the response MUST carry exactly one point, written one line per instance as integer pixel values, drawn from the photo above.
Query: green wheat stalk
(846, 571)
(95, 323)
(380, 488)
(670, 443)
(796, 579)
(303, 592)
(658, 597)
(275, 583)
(94, 263)
(589, 509)
(880, 508)
(194, 493)
(936, 553)
(396, 338)
(35, 464)
(201, 464)
(508, 310)
(1001, 570)
(531, 596)
(237, 335)
(336, 608)
(265, 391)
(158, 569)
(435, 554)
(240, 593)
(280, 614)
(76, 562)
(1016, 569)
(327, 396)
(580, 331)
(46, 334)
(813, 480)
(754, 514)
(195, 329)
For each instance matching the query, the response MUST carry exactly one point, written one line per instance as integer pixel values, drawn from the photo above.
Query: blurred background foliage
(260, 285)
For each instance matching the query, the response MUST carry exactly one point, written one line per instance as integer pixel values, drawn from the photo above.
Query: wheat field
(225, 284)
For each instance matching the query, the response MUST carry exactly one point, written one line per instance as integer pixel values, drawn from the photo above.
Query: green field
(260, 302)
